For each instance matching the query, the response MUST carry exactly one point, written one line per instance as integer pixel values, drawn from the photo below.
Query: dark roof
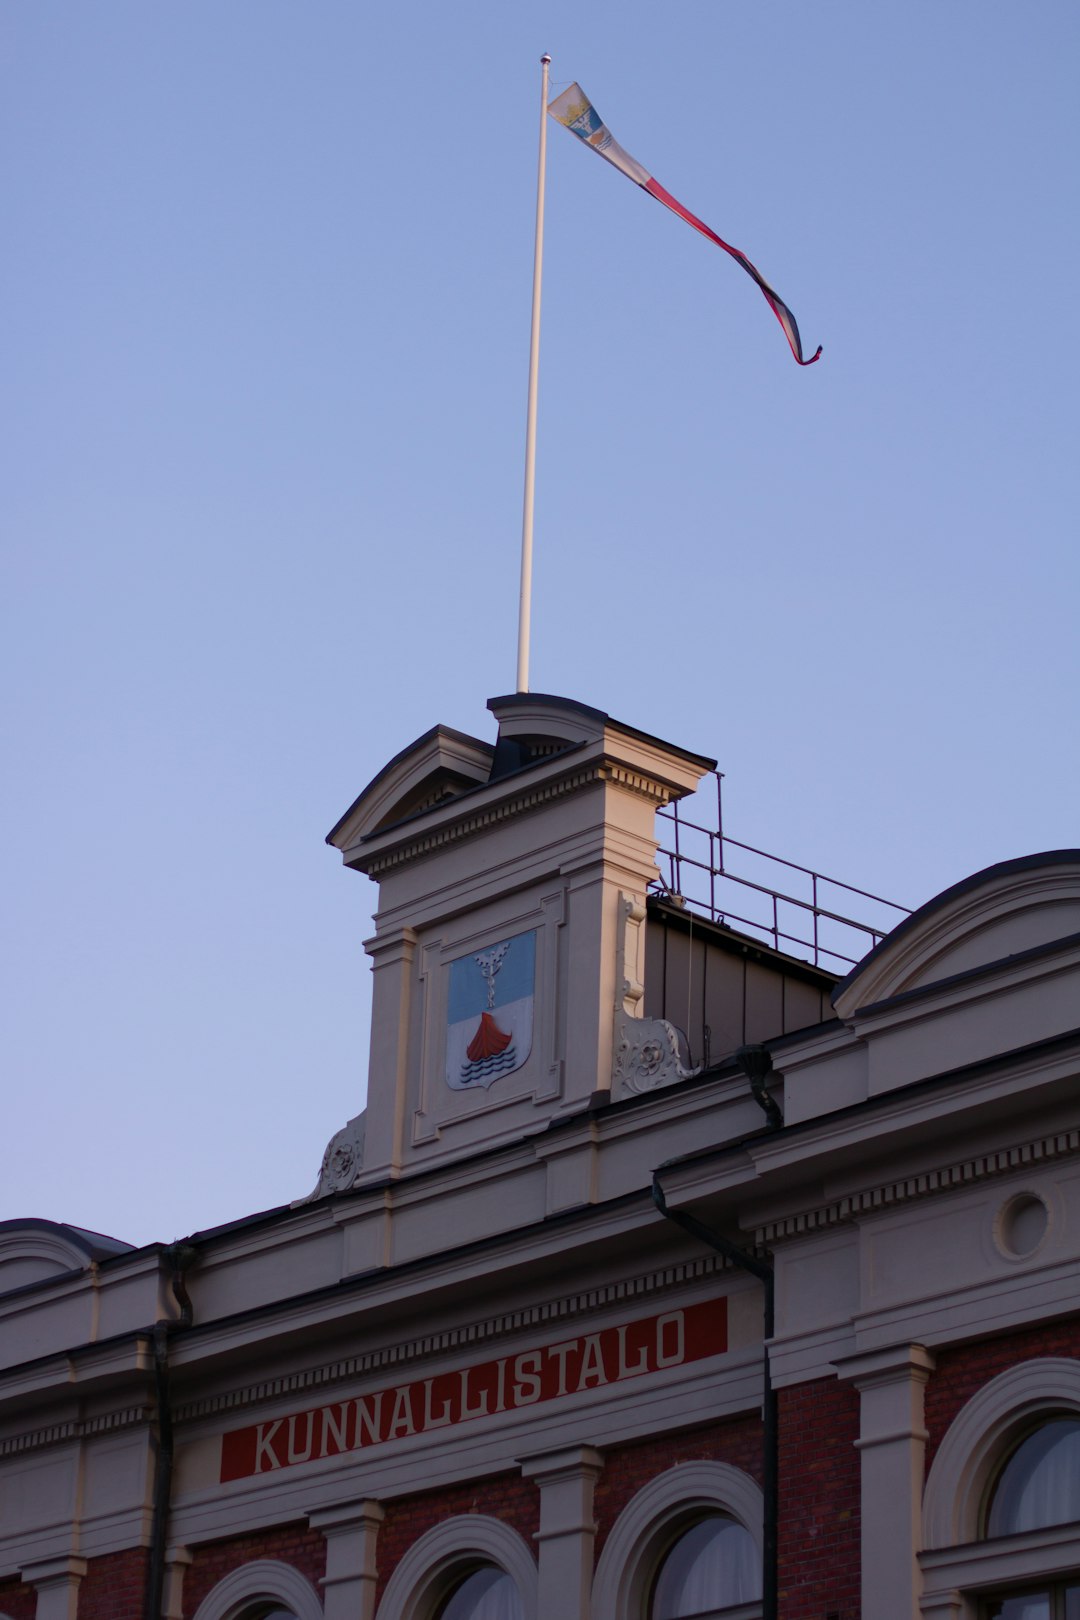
(1023, 863)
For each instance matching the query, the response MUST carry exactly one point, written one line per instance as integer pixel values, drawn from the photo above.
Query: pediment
(437, 766)
(1005, 911)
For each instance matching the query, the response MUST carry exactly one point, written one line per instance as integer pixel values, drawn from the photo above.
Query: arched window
(1001, 1508)
(1040, 1482)
(262, 1590)
(467, 1568)
(485, 1594)
(713, 1567)
(686, 1547)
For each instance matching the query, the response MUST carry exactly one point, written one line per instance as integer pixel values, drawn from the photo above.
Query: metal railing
(699, 875)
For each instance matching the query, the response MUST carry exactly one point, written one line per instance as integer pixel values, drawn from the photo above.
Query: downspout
(755, 1062)
(180, 1256)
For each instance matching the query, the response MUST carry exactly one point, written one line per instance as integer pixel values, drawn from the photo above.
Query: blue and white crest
(490, 1012)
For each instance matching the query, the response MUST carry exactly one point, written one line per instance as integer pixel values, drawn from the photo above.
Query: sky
(266, 292)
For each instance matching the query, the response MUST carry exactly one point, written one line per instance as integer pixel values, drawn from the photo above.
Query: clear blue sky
(266, 293)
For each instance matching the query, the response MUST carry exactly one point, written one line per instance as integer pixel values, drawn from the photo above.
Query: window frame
(960, 1567)
(651, 1523)
(425, 1575)
(264, 1580)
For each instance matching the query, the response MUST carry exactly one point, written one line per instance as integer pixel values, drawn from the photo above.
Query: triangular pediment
(1009, 910)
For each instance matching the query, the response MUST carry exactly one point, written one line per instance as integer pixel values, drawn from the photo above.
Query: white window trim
(651, 1518)
(955, 1561)
(420, 1578)
(978, 1437)
(264, 1579)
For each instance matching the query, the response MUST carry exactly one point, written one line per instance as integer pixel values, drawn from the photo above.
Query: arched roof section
(34, 1250)
(439, 765)
(1016, 908)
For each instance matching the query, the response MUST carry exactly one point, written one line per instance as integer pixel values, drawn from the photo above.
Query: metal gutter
(770, 1463)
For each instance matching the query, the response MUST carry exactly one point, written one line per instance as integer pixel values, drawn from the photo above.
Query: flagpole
(525, 600)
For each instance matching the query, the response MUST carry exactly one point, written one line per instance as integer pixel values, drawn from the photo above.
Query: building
(667, 1274)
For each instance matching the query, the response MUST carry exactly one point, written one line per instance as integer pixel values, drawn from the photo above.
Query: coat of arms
(490, 1013)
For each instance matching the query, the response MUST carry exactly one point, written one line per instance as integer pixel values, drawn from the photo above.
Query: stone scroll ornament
(342, 1161)
(645, 1053)
(489, 1021)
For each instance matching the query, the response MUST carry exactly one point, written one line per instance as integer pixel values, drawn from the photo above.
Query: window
(1040, 1483)
(487, 1594)
(686, 1547)
(712, 1568)
(1055, 1603)
(1001, 1508)
(467, 1568)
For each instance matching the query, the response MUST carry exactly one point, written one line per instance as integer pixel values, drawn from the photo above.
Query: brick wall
(506, 1497)
(628, 1468)
(960, 1372)
(820, 1570)
(294, 1544)
(114, 1587)
(17, 1600)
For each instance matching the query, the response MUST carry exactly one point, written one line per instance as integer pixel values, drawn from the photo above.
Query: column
(567, 1529)
(892, 1443)
(351, 1530)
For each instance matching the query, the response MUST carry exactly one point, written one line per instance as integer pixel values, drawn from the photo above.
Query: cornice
(596, 772)
(925, 1184)
(469, 1335)
(53, 1434)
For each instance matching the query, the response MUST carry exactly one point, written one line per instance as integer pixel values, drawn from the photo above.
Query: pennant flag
(574, 109)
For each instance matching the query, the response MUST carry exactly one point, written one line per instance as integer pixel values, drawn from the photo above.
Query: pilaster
(177, 1560)
(892, 1446)
(567, 1531)
(392, 956)
(57, 1586)
(351, 1530)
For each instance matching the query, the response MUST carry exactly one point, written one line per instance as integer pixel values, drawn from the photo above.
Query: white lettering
(671, 1353)
(527, 1378)
(500, 1385)
(264, 1443)
(335, 1427)
(628, 1369)
(468, 1411)
(561, 1351)
(430, 1420)
(401, 1419)
(297, 1453)
(592, 1363)
(369, 1421)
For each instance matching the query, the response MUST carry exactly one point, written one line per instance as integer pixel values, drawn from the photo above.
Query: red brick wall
(962, 1371)
(628, 1468)
(288, 1543)
(114, 1587)
(17, 1600)
(820, 1570)
(506, 1497)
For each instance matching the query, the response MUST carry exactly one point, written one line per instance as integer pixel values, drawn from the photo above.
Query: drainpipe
(769, 1440)
(180, 1256)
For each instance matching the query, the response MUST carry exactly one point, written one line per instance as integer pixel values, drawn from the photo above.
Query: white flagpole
(525, 601)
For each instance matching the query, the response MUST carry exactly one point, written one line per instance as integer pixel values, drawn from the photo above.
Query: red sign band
(568, 1367)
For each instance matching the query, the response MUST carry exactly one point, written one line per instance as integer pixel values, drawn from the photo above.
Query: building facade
(666, 1276)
